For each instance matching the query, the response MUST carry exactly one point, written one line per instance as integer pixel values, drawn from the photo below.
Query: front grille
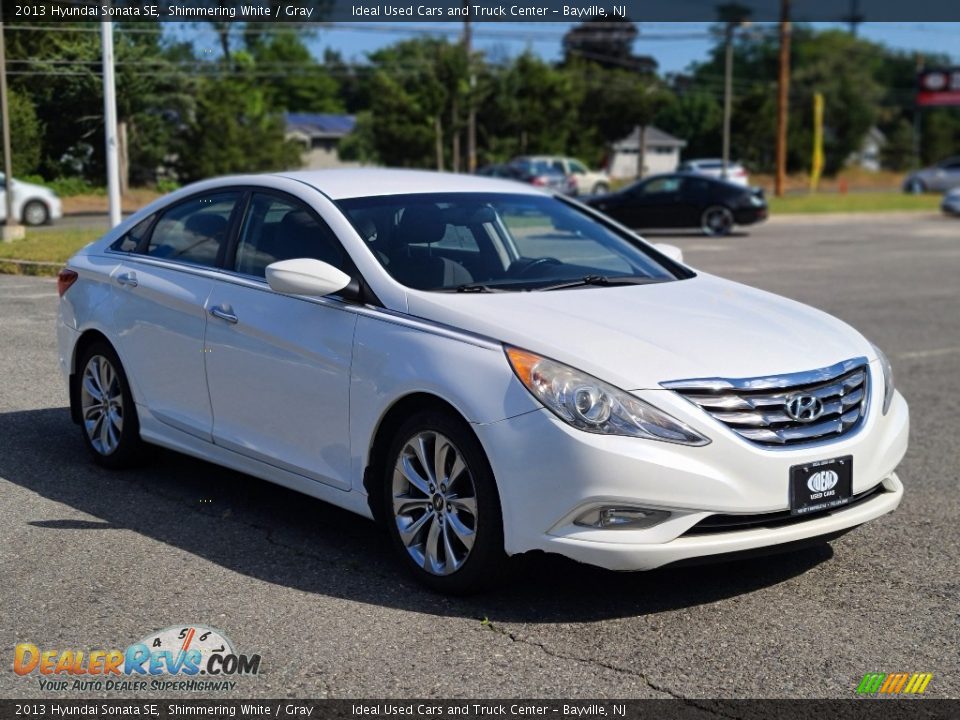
(757, 408)
(731, 523)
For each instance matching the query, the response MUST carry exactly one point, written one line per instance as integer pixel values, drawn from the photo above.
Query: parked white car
(484, 367)
(32, 204)
(583, 180)
(736, 173)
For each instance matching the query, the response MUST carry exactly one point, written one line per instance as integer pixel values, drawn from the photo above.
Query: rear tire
(441, 505)
(601, 188)
(36, 213)
(716, 221)
(108, 416)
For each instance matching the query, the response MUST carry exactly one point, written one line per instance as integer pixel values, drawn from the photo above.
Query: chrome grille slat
(755, 408)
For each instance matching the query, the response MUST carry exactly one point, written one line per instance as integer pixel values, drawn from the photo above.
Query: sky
(674, 45)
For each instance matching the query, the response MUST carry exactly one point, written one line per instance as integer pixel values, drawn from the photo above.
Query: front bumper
(549, 474)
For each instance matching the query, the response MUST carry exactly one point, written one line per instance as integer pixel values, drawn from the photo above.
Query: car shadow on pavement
(299, 542)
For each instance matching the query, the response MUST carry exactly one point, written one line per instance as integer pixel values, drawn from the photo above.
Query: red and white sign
(938, 87)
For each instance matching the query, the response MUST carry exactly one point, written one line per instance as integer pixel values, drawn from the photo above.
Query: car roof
(340, 184)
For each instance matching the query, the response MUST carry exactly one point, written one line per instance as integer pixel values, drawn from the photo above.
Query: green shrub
(166, 185)
(69, 186)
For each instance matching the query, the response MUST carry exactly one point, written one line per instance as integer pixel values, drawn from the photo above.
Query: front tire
(36, 213)
(716, 221)
(916, 187)
(441, 504)
(108, 416)
(601, 188)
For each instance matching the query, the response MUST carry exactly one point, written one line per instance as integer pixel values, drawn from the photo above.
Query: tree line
(191, 112)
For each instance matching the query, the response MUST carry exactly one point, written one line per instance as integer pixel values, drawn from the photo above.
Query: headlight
(888, 387)
(756, 200)
(592, 405)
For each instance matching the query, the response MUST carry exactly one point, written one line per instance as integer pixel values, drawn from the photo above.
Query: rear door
(160, 317)
(278, 366)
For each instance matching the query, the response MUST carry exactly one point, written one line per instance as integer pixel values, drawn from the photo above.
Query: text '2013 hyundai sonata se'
(484, 367)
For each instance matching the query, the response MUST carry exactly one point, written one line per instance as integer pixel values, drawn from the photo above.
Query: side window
(577, 167)
(195, 230)
(130, 241)
(278, 229)
(558, 166)
(662, 185)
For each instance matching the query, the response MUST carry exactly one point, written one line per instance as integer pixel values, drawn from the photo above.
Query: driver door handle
(128, 278)
(224, 313)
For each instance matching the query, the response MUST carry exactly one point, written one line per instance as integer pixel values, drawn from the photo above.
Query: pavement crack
(582, 660)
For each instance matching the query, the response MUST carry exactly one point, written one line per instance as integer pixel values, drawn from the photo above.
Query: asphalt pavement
(93, 559)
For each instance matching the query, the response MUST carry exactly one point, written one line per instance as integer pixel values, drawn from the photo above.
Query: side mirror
(306, 276)
(671, 251)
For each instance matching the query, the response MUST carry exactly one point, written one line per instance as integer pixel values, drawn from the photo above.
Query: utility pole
(783, 98)
(733, 15)
(727, 97)
(472, 108)
(110, 122)
(12, 229)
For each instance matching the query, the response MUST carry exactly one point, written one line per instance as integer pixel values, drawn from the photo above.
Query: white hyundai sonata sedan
(485, 368)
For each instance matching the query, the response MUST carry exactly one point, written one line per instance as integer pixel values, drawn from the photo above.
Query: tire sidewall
(26, 213)
(705, 226)
(130, 445)
(485, 564)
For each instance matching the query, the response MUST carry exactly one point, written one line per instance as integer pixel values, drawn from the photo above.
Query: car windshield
(491, 242)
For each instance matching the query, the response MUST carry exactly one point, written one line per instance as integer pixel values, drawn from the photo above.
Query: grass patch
(44, 246)
(865, 202)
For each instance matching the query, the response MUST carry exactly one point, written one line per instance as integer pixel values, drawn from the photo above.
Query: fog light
(628, 518)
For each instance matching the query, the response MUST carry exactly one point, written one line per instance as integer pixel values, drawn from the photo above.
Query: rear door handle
(128, 278)
(224, 313)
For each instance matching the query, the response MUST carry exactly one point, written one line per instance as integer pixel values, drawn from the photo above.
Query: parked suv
(713, 167)
(583, 181)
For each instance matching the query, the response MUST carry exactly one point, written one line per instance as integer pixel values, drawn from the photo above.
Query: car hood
(637, 337)
(31, 189)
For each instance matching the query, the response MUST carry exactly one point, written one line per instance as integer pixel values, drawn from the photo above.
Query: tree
(697, 117)
(412, 91)
(26, 134)
(298, 83)
(533, 108)
(607, 42)
(233, 130)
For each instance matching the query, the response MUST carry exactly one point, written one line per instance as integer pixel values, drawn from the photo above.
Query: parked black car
(683, 200)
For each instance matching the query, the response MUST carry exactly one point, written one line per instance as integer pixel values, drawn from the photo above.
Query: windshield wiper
(475, 288)
(601, 280)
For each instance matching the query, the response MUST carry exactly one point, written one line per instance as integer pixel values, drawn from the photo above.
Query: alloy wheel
(101, 404)
(35, 213)
(434, 503)
(717, 220)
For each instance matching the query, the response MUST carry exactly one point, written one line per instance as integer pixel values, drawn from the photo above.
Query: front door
(278, 366)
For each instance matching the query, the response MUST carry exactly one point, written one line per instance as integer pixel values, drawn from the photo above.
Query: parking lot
(96, 560)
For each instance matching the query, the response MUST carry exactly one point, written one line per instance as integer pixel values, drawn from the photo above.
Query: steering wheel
(538, 262)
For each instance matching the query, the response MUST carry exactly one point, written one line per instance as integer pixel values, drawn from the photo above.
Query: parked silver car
(943, 176)
(951, 203)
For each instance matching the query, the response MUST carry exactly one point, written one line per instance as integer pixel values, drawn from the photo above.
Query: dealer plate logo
(822, 481)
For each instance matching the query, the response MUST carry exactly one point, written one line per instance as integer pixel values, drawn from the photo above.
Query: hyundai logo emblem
(822, 481)
(803, 408)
